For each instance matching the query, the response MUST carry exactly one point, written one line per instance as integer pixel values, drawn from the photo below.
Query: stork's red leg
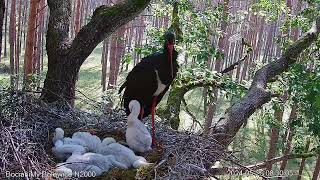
(153, 109)
(141, 112)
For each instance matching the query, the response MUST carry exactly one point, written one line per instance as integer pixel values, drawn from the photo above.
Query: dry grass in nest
(30, 123)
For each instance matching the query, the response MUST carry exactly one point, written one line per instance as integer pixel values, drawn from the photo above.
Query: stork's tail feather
(119, 92)
(122, 87)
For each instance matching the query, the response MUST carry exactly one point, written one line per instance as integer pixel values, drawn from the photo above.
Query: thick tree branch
(258, 95)
(105, 20)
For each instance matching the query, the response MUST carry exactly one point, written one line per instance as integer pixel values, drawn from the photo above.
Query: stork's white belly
(161, 86)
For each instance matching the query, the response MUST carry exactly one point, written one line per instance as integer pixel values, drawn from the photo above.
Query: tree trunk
(104, 60)
(78, 15)
(293, 116)
(25, 18)
(12, 39)
(39, 49)
(316, 169)
(218, 66)
(17, 48)
(2, 11)
(5, 29)
(72, 24)
(120, 51)
(211, 111)
(112, 59)
(29, 52)
(273, 140)
(303, 160)
(65, 57)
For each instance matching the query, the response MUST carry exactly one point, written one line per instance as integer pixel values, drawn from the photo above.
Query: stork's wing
(141, 83)
(160, 96)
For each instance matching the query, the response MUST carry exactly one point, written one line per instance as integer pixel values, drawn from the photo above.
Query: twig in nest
(16, 154)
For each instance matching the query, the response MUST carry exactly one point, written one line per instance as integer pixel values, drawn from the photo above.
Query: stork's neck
(167, 51)
(134, 114)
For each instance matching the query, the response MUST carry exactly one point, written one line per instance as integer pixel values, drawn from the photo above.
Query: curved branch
(258, 95)
(105, 20)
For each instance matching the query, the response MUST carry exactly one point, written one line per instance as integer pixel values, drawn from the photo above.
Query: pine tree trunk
(25, 18)
(303, 160)
(12, 39)
(2, 11)
(112, 59)
(293, 116)
(72, 24)
(22, 28)
(17, 48)
(211, 111)
(78, 16)
(104, 60)
(316, 169)
(5, 29)
(120, 51)
(274, 136)
(218, 66)
(29, 52)
(39, 39)
(269, 40)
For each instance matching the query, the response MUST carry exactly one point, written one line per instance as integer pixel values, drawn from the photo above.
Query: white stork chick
(122, 154)
(137, 135)
(58, 135)
(87, 140)
(88, 162)
(62, 150)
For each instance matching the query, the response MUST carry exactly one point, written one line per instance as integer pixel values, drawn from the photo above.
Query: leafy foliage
(304, 86)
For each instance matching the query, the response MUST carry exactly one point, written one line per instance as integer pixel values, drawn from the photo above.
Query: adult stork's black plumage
(150, 79)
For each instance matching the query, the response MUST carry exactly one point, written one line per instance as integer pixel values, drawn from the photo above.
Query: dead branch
(246, 55)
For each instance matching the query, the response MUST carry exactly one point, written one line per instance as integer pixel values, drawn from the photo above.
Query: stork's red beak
(170, 48)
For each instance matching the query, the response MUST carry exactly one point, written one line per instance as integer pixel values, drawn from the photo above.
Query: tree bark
(29, 52)
(17, 48)
(5, 28)
(41, 13)
(64, 56)
(78, 15)
(104, 62)
(292, 117)
(2, 11)
(303, 160)
(258, 95)
(12, 39)
(218, 65)
(112, 59)
(25, 18)
(316, 169)
(273, 139)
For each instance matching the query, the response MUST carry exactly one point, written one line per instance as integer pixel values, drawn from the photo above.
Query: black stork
(150, 79)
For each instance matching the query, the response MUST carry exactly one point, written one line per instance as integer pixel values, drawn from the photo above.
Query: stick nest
(27, 125)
